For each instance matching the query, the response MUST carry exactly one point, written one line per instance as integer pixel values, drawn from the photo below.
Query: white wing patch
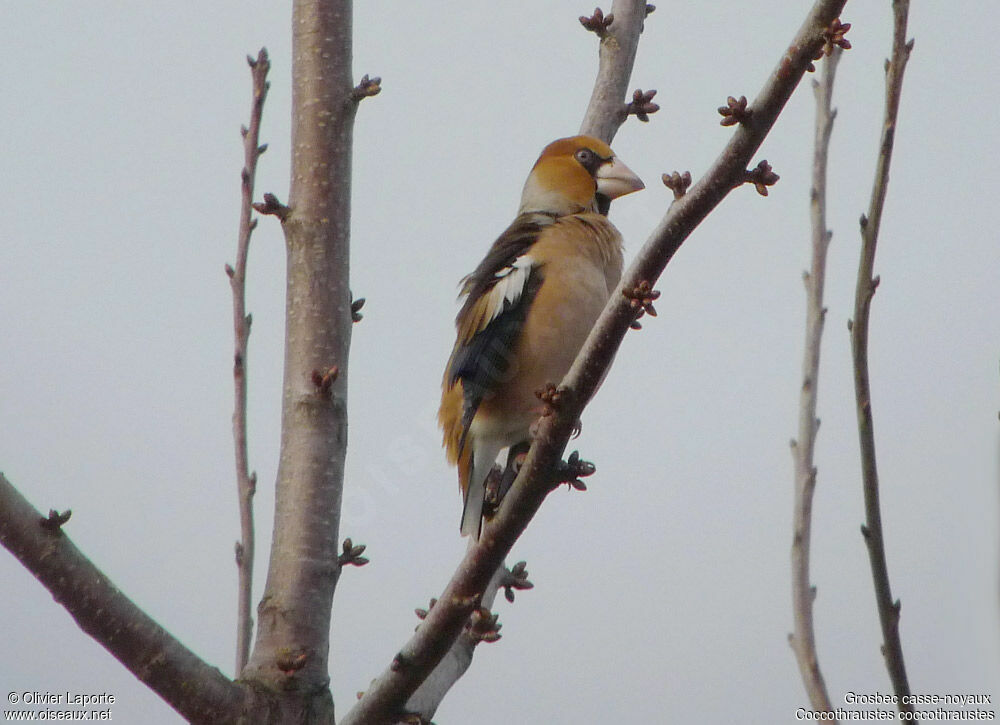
(509, 286)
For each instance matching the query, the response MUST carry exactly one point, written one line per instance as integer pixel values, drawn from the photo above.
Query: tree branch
(888, 610)
(607, 109)
(604, 116)
(619, 33)
(803, 638)
(246, 483)
(428, 697)
(101, 610)
(292, 645)
(384, 700)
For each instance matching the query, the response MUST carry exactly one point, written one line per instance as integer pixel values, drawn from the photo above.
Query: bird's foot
(533, 428)
(515, 460)
(492, 497)
(499, 481)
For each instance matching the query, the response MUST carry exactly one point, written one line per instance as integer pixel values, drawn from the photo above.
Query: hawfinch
(529, 306)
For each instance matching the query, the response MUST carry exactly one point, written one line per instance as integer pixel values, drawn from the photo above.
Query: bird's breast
(580, 262)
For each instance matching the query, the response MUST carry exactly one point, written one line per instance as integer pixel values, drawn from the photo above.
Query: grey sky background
(662, 594)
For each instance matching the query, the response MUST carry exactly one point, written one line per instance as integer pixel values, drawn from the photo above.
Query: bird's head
(575, 174)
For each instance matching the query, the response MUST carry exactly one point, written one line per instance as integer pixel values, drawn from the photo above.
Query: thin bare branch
(607, 109)
(246, 483)
(385, 699)
(803, 638)
(888, 609)
(101, 610)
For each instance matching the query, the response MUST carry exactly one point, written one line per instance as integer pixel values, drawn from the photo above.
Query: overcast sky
(662, 594)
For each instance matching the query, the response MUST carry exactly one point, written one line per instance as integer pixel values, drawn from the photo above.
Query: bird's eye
(585, 157)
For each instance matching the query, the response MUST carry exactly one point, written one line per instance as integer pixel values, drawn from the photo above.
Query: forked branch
(291, 648)
(619, 32)
(432, 691)
(385, 698)
(101, 610)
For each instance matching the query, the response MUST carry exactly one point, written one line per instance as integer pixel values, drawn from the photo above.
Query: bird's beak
(615, 179)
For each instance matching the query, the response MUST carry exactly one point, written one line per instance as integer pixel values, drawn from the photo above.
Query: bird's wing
(497, 297)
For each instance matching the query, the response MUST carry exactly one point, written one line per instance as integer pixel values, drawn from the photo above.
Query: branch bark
(292, 647)
(803, 640)
(101, 610)
(605, 114)
(286, 677)
(385, 699)
(428, 697)
(607, 110)
(246, 483)
(888, 609)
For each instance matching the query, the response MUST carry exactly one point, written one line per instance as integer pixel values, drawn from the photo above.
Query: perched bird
(528, 308)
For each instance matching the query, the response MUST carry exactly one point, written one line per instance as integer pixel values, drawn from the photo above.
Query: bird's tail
(474, 457)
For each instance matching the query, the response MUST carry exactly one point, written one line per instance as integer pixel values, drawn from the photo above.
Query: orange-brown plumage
(529, 306)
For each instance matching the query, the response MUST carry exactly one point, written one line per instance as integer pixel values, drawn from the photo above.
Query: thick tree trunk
(291, 652)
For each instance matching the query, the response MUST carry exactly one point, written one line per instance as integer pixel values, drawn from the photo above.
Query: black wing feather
(515, 241)
(483, 362)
